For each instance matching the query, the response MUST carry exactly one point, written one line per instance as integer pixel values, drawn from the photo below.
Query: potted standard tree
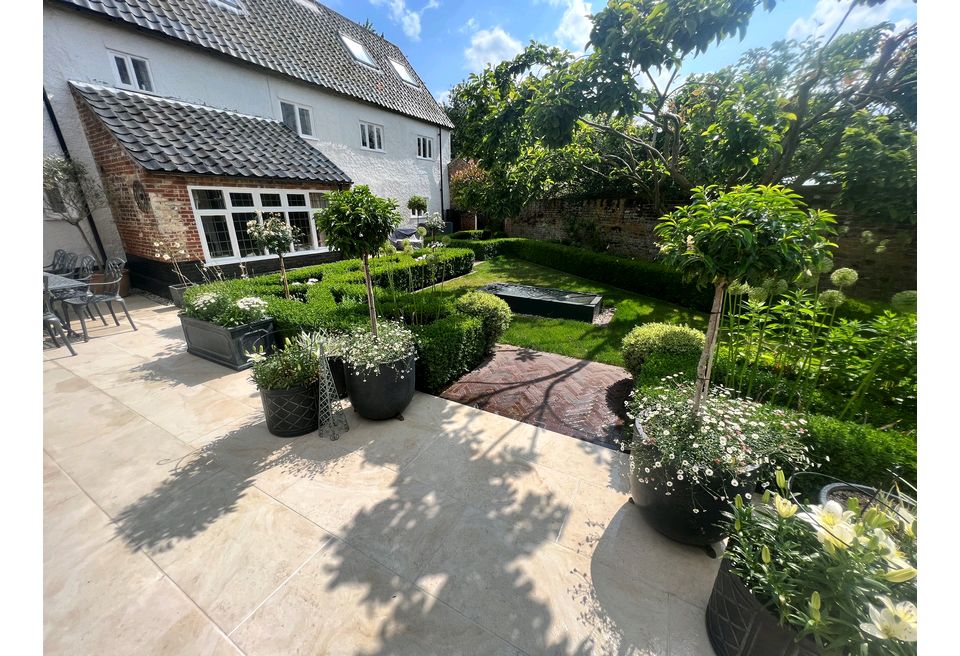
(379, 362)
(691, 450)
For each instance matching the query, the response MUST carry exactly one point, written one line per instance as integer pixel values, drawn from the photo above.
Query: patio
(174, 523)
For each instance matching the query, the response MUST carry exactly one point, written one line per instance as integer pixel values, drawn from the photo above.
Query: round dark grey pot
(670, 509)
(385, 395)
(739, 625)
(291, 412)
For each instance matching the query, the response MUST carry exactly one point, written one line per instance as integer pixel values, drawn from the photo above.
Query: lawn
(567, 337)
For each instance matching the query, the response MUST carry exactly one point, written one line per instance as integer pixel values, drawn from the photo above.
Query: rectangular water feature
(547, 302)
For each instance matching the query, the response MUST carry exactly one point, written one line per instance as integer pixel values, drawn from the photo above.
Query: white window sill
(260, 258)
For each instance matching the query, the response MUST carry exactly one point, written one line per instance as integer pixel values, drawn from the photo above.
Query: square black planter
(227, 346)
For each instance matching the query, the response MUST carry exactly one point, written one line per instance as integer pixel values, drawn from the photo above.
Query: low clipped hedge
(471, 234)
(447, 349)
(486, 249)
(846, 450)
(332, 297)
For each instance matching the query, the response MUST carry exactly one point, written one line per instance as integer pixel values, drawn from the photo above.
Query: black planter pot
(385, 395)
(227, 346)
(176, 293)
(291, 412)
(670, 509)
(339, 375)
(739, 625)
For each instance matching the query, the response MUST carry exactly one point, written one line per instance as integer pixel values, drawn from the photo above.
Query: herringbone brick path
(579, 398)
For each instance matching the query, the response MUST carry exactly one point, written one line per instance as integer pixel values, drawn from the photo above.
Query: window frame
(128, 61)
(428, 141)
(399, 68)
(345, 39)
(314, 239)
(296, 114)
(364, 125)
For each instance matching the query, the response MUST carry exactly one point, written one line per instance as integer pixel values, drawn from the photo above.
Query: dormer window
(403, 72)
(358, 51)
(131, 72)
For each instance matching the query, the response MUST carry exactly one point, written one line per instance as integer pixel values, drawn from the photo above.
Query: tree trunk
(86, 240)
(710, 343)
(283, 277)
(371, 305)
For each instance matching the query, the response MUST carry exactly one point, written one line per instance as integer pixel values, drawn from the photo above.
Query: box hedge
(447, 349)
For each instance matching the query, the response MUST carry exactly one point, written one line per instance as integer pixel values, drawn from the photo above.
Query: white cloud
(490, 47)
(443, 97)
(575, 25)
(828, 14)
(408, 19)
(470, 26)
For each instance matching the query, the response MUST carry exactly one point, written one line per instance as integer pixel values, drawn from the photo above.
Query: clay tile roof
(297, 38)
(168, 135)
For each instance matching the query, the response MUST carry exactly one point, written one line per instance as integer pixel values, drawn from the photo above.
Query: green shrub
(447, 349)
(641, 276)
(297, 365)
(483, 250)
(493, 311)
(471, 234)
(857, 453)
(649, 338)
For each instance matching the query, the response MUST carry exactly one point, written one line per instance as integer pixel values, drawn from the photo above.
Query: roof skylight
(403, 72)
(358, 51)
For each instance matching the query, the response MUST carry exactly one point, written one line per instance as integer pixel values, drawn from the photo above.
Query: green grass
(576, 339)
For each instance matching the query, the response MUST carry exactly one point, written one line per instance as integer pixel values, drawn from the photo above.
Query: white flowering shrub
(367, 353)
(714, 450)
(434, 224)
(844, 576)
(219, 307)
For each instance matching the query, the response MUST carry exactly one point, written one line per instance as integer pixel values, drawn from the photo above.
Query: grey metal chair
(109, 292)
(51, 322)
(68, 265)
(79, 298)
(56, 264)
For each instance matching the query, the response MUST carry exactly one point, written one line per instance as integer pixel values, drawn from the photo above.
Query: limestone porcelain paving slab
(688, 630)
(344, 603)
(102, 598)
(223, 542)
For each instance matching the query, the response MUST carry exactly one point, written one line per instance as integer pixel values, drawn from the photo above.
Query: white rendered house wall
(76, 48)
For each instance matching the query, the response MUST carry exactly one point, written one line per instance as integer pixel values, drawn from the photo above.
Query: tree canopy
(621, 119)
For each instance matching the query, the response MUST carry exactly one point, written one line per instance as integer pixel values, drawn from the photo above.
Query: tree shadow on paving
(474, 525)
(207, 484)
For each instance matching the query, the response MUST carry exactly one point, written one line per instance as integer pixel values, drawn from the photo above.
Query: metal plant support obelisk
(332, 420)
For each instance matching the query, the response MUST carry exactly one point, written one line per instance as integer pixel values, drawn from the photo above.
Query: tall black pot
(339, 375)
(684, 511)
(383, 395)
(291, 412)
(739, 625)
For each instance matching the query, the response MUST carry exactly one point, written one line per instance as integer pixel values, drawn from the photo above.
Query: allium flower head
(845, 277)
(904, 302)
(832, 299)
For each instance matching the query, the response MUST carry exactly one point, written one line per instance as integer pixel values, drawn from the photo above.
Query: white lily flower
(895, 622)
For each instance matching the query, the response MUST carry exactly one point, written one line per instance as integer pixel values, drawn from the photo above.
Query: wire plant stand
(332, 420)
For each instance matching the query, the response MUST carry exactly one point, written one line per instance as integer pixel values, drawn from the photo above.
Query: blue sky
(445, 40)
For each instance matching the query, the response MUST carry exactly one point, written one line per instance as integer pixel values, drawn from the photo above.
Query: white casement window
(297, 117)
(131, 72)
(222, 214)
(371, 136)
(425, 147)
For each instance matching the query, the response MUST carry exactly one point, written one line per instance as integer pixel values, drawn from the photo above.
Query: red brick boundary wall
(626, 226)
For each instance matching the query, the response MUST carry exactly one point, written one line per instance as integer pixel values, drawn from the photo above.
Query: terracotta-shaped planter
(228, 346)
(385, 395)
(739, 625)
(291, 412)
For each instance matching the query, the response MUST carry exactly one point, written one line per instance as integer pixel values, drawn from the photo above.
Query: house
(199, 114)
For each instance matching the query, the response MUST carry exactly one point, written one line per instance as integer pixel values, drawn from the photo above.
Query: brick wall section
(626, 225)
(167, 216)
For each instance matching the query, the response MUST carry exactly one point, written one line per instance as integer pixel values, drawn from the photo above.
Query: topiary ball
(650, 338)
(493, 311)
